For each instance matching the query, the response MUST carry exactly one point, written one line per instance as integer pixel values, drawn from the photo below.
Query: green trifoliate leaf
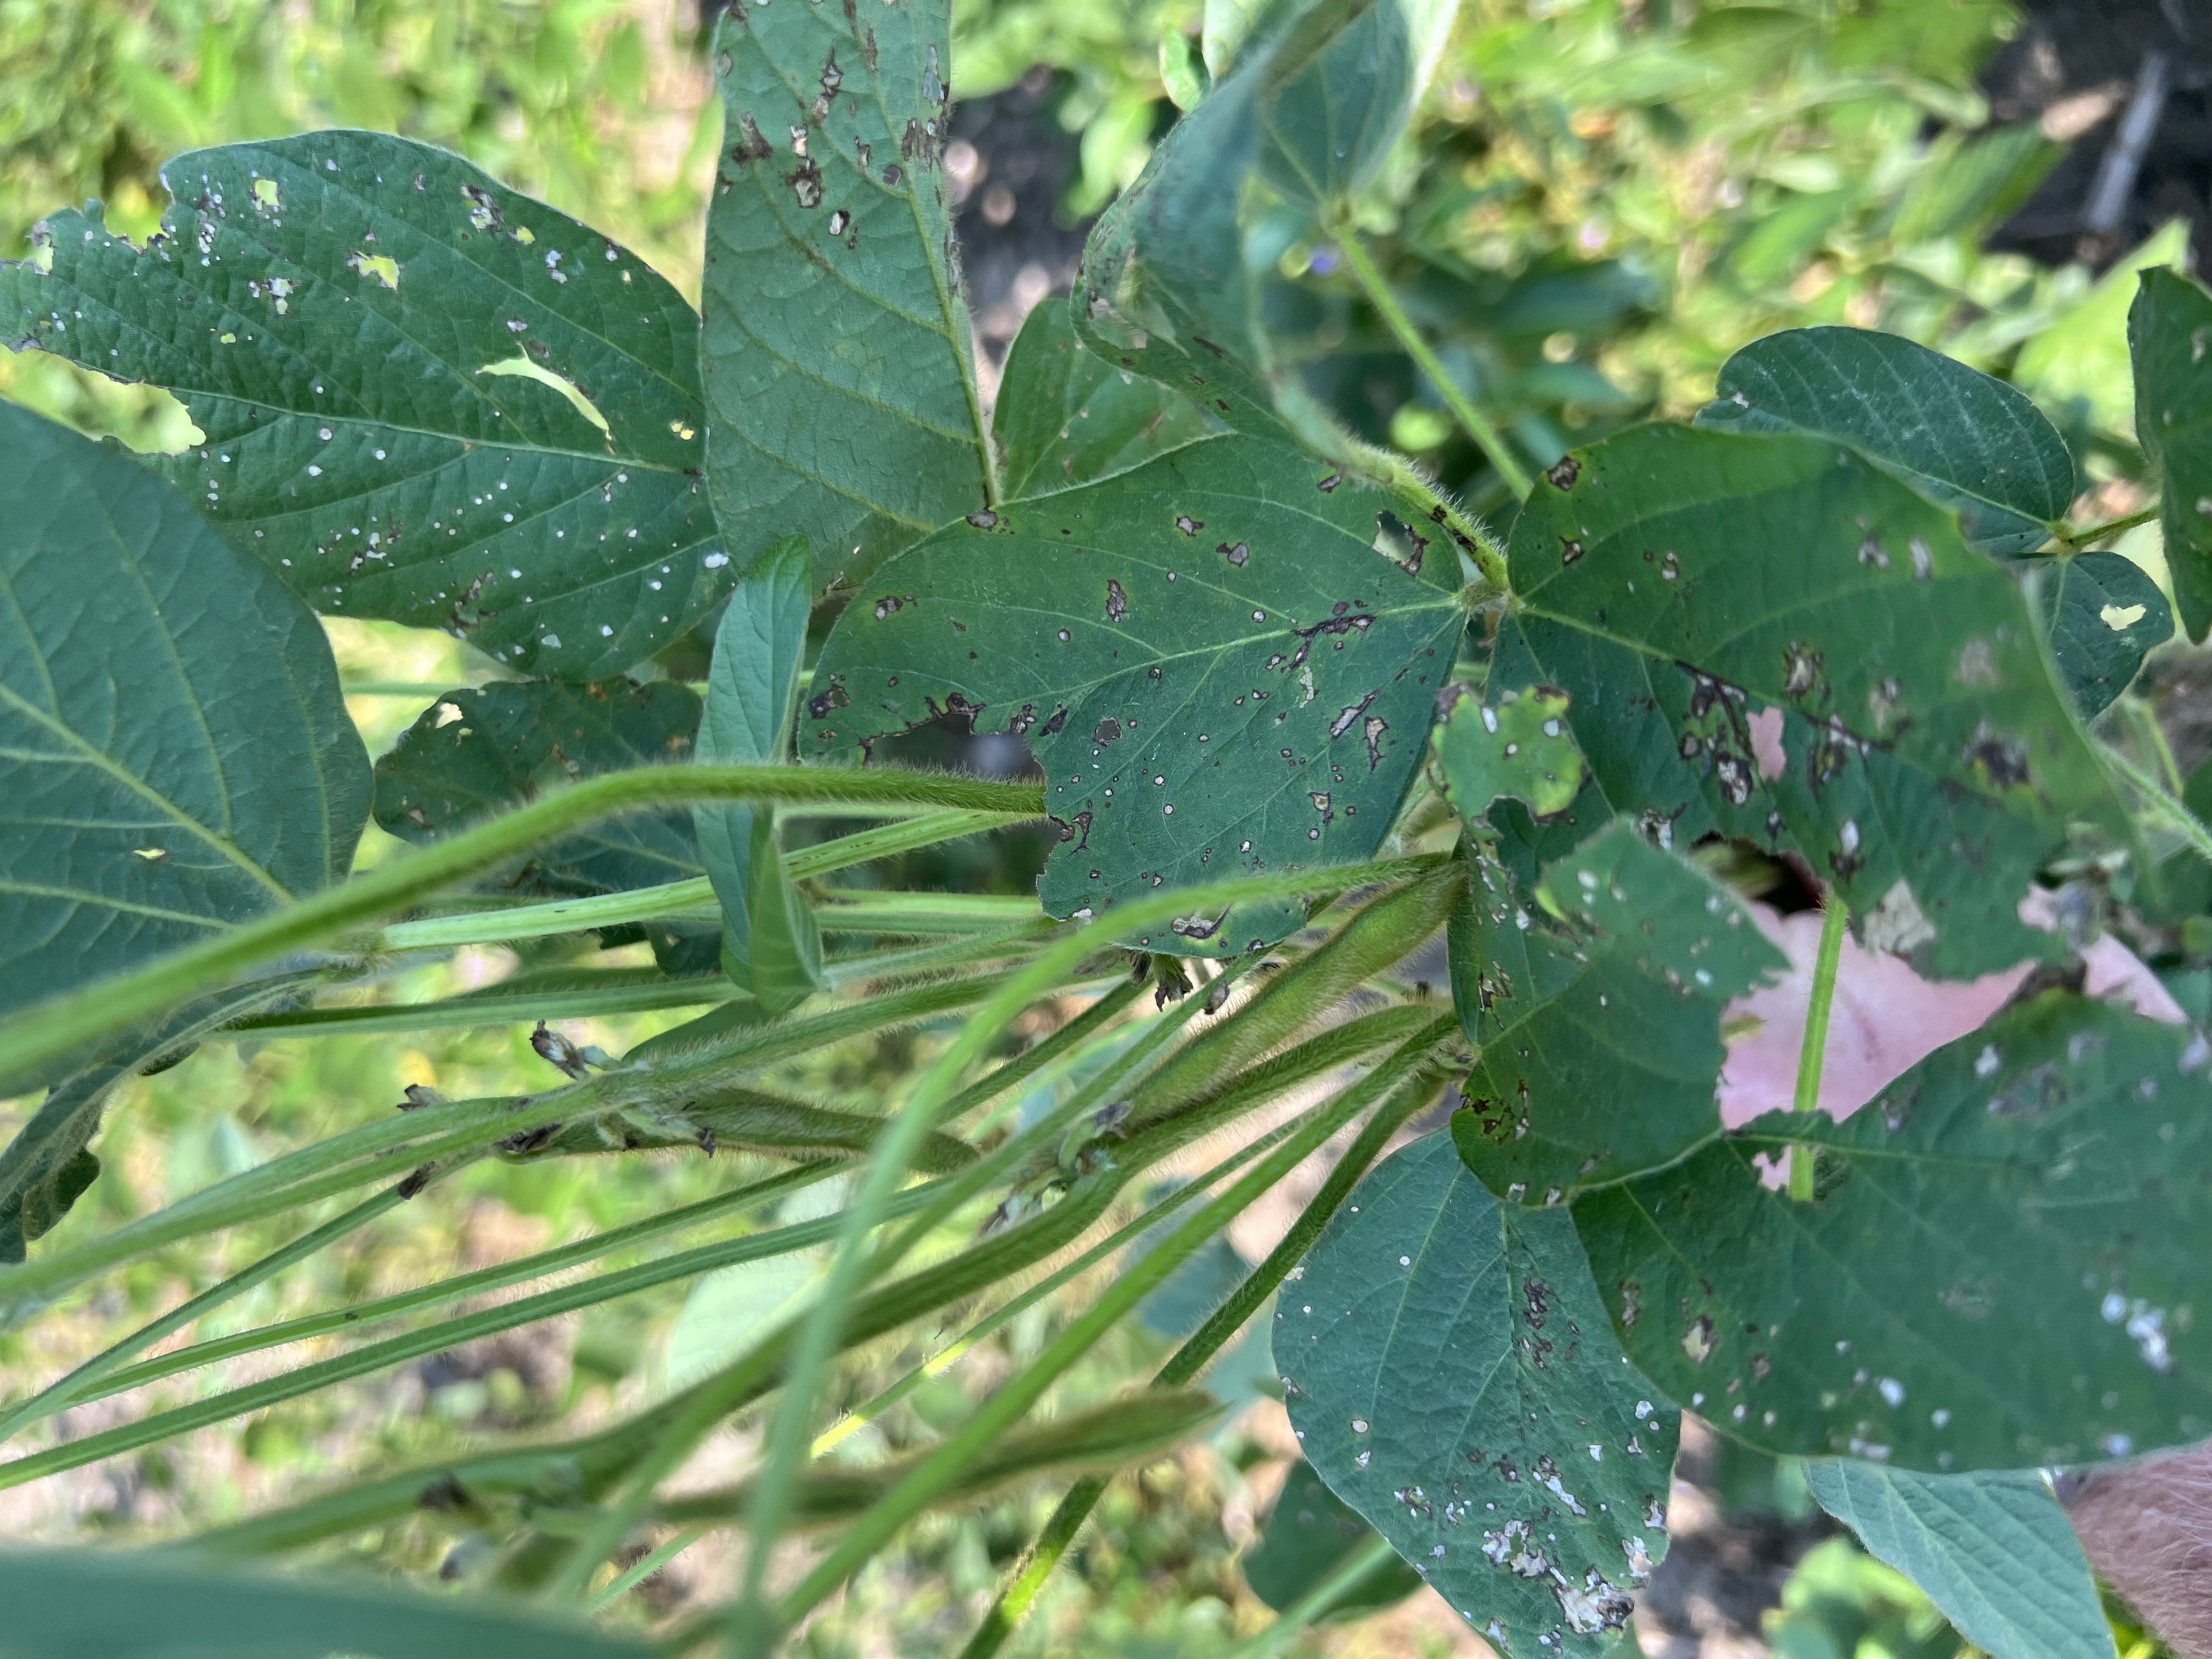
(2170, 340)
(770, 943)
(1341, 87)
(839, 378)
(474, 754)
(2001, 1270)
(141, 1605)
(1451, 1375)
(178, 758)
(1993, 1550)
(1066, 416)
(2104, 616)
(1957, 435)
(1595, 1004)
(1169, 282)
(425, 397)
(1308, 1535)
(1767, 636)
(1523, 748)
(1214, 663)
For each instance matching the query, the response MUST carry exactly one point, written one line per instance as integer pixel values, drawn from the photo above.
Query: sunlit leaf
(424, 396)
(2001, 1269)
(1450, 1373)
(1225, 660)
(1521, 748)
(1956, 434)
(840, 377)
(1768, 638)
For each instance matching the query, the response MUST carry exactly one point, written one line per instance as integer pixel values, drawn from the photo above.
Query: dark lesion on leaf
(751, 145)
(1564, 473)
(1398, 542)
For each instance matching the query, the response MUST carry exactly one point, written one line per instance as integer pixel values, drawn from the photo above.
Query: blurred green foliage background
(1600, 201)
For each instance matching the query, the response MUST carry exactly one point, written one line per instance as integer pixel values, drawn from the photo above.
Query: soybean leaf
(178, 756)
(1214, 665)
(1958, 436)
(1521, 748)
(2169, 330)
(1993, 1550)
(77, 1604)
(1309, 1533)
(1449, 1375)
(770, 943)
(1768, 638)
(1595, 1006)
(50, 1163)
(1999, 1271)
(2104, 617)
(1066, 416)
(476, 753)
(425, 397)
(1330, 118)
(840, 381)
(1316, 100)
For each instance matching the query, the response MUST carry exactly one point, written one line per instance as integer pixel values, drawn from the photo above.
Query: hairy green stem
(2081, 538)
(1475, 423)
(1014, 1400)
(107, 1366)
(951, 1355)
(86, 1383)
(2142, 720)
(790, 1429)
(678, 897)
(1059, 1532)
(63, 1024)
(435, 1339)
(2177, 815)
(1835, 916)
(649, 1565)
(628, 991)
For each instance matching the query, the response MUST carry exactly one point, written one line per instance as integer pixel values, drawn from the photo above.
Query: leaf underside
(1766, 636)
(1216, 668)
(424, 396)
(839, 376)
(1999, 1271)
(1448, 1370)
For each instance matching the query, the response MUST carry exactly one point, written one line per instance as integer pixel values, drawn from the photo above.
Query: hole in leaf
(568, 388)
